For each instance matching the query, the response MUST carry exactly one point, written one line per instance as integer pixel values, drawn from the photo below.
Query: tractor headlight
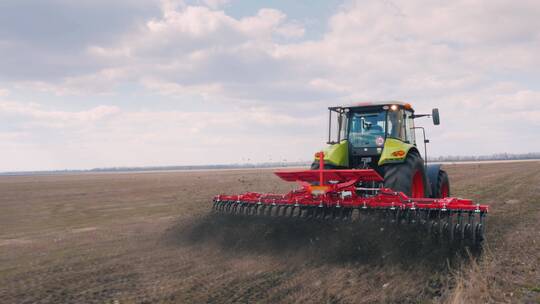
(393, 107)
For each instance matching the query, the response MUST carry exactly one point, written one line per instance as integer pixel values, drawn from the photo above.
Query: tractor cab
(369, 135)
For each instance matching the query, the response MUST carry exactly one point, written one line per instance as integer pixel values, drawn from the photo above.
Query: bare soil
(149, 237)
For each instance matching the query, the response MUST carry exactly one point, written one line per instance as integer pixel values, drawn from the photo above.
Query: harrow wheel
(455, 228)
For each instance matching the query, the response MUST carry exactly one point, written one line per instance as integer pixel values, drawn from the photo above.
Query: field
(149, 237)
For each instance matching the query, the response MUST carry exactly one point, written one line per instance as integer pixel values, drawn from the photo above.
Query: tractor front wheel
(408, 177)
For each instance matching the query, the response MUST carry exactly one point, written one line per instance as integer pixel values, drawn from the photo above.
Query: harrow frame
(352, 195)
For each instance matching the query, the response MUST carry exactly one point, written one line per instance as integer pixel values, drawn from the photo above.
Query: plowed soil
(150, 238)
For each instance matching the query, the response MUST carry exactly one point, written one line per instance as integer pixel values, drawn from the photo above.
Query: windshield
(367, 129)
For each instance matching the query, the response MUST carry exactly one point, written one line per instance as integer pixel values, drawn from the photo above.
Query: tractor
(382, 136)
(371, 169)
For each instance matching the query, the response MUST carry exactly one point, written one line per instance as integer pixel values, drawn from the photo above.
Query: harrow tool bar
(357, 195)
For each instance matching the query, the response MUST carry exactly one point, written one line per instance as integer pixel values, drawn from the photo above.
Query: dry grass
(470, 285)
(508, 270)
(146, 238)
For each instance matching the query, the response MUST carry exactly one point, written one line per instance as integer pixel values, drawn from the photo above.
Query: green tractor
(382, 136)
(371, 170)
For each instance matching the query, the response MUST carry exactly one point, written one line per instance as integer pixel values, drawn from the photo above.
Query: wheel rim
(417, 189)
(445, 190)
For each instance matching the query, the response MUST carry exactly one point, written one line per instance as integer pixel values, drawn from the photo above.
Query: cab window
(366, 129)
(409, 128)
(396, 125)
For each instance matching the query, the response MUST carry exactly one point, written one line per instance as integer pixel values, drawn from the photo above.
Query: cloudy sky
(99, 83)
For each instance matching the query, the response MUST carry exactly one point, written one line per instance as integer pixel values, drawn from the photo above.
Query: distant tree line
(497, 156)
(448, 158)
(202, 167)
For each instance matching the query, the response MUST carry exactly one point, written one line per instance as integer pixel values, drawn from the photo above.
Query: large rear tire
(443, 185)
(408, 177)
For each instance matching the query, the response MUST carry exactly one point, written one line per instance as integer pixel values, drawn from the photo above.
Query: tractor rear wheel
(408, 177)
(443, 186)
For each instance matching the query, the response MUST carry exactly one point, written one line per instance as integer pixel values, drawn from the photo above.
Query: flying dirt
(372, 170)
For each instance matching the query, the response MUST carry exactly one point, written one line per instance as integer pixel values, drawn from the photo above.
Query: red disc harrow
(356, 195)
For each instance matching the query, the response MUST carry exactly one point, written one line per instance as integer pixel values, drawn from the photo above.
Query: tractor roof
(371, 104)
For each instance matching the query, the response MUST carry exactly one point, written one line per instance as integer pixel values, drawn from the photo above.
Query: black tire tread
(398, 177)
(441, 180)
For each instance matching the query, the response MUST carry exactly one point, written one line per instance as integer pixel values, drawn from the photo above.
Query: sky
(99, 83)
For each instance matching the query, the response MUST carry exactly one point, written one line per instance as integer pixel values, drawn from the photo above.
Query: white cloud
(199, 47)
(103, 82)
(477, 61)
(371, 49)
(109, 136)
(36, 111)
(291, 30)
(13, 136)
(215, 4)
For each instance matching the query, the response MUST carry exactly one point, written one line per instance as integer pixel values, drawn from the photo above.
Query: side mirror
(435, 116)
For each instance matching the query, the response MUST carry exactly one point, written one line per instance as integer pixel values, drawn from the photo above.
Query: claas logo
(399, 153)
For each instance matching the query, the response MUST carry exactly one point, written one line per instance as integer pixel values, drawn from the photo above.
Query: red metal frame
(341, 191)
